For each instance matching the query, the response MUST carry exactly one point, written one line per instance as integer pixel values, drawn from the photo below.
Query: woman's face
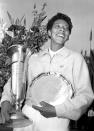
(59, 33)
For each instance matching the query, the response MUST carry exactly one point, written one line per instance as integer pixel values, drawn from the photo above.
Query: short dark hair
(59, 16)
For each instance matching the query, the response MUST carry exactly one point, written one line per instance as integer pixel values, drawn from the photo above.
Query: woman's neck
(55, 46)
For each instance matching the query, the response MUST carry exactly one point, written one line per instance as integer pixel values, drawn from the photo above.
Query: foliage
(16, 33)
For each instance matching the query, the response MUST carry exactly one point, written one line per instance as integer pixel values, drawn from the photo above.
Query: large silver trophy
(17, 54)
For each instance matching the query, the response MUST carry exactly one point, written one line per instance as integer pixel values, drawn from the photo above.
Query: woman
(70, 94)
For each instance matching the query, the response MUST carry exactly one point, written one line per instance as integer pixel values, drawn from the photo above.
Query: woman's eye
(63, 27)
(57, 26)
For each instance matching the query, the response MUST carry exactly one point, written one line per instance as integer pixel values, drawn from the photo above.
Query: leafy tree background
(33, 38)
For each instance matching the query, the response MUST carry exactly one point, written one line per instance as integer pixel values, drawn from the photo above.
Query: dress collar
(64, 51)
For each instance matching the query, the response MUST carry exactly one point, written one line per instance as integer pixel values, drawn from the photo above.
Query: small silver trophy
(17, 54)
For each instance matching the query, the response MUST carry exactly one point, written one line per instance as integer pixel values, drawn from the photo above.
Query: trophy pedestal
(18, 120)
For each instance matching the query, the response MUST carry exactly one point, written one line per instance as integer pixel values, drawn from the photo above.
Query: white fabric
(73, 67)
(41, 123)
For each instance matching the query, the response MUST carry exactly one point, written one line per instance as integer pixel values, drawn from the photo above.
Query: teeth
(61, 35)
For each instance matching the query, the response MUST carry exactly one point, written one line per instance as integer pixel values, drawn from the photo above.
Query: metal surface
(17, 54)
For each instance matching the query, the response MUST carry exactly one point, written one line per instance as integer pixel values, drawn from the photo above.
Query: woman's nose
(62, 29)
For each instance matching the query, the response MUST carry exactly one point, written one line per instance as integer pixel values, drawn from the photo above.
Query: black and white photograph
(46, 65)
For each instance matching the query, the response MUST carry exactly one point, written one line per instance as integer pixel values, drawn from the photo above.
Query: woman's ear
(67, 38)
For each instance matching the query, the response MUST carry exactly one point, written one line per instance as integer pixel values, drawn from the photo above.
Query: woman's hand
(6, 110)
(46, 109)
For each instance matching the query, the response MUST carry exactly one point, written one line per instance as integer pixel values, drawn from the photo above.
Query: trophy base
(18, 120)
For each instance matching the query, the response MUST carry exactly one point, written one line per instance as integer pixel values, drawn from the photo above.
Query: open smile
(61, 35)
